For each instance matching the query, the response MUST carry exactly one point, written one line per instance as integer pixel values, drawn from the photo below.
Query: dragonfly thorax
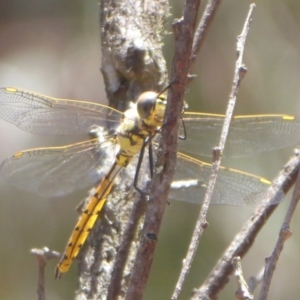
(132, 133)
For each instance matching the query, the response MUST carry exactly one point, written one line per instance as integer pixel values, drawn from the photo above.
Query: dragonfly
(57, 171)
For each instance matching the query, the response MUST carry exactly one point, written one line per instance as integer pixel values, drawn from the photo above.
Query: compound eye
(146, 103)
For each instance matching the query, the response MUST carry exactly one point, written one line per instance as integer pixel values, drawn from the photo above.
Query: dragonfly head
(151, 108)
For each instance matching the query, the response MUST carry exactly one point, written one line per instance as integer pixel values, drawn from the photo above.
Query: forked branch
(201, 223)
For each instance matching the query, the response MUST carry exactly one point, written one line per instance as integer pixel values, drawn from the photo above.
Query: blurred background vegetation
(52, 47)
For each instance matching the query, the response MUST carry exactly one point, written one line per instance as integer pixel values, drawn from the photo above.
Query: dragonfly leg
(138, 168)
(151, 165)
(183, 137)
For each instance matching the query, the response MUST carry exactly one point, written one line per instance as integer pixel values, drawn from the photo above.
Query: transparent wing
(53, 172)
(45, 115)
(232, 187)
(248, 135)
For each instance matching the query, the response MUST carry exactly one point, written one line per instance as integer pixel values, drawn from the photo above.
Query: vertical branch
(131, 40)
(43, 256)
(167, 153)
(203, 27)
(137, 211)
(132, 62)
(201, 223)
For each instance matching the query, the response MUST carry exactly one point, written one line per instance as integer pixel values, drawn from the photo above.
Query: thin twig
(43, 256)
(137, 211)
(201, 222)
(245, 238)
(203, 27)
(284, 234)
(254, 281)
(242, 292)
(167, 153)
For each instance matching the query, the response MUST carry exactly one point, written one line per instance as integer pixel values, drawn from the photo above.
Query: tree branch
(43, 256)
(167, 153)
(245, 238)
(132, 62)
(201, 223)
(203, 27)
(284, 234)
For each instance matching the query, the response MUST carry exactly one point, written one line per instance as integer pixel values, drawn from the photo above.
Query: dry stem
(201, 222)
(167, 153)
(284, 234)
